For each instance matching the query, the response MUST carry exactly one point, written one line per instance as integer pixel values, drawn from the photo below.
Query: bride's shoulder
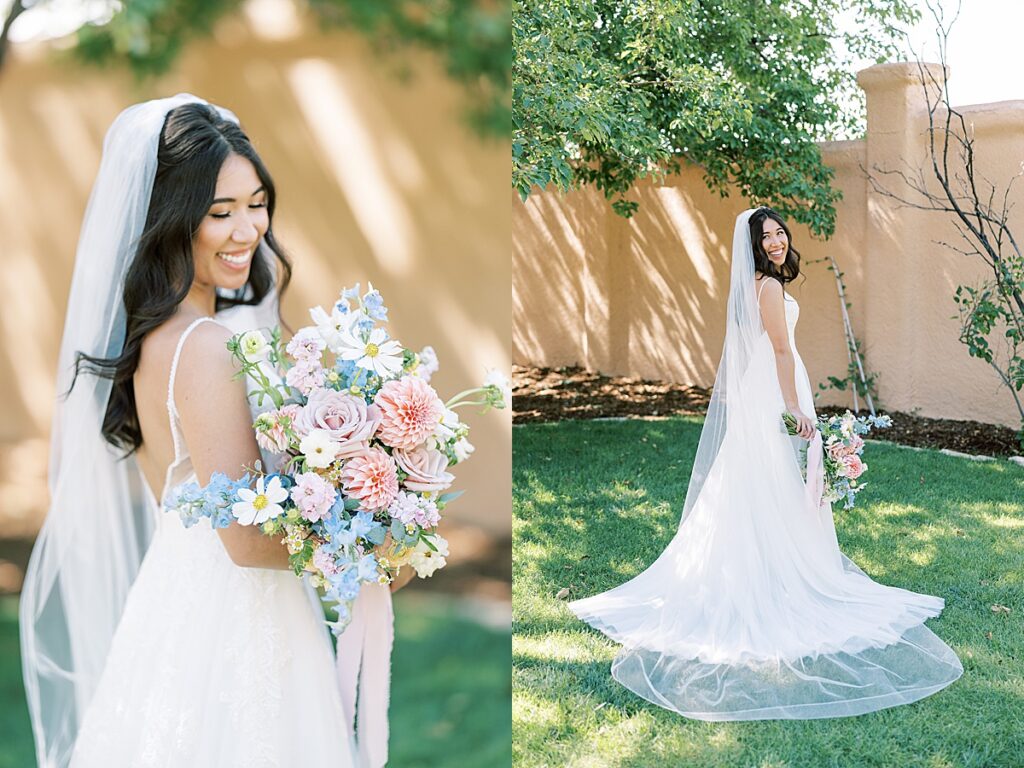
(767, 286)
(205, 345)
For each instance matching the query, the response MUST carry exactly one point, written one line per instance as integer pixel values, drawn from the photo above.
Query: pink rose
(854, 466)
(349, 421)
(425, 467)
(836, 451)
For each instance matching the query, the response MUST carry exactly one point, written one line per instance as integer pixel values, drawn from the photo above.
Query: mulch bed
(556, 394)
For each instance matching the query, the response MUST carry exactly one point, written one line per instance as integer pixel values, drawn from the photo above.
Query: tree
(980, 212)
(472, 38)
(607, 92)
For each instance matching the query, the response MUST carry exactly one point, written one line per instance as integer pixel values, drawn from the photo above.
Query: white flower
(428, 363)
(332, 326)
(425, 560)
(496, 378)
(377, 353)
(319, 449)
(462, 449)
(254, 346)
(256, 507)
(446, 427)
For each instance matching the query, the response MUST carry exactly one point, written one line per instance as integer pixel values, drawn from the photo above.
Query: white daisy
(332, 326)
(377, 354)
(256, 507)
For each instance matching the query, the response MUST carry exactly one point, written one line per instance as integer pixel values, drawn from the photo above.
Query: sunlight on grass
(928, 522)
(560, 647)
(1003, 520)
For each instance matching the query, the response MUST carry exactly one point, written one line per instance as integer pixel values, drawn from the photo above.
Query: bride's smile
(229, 233)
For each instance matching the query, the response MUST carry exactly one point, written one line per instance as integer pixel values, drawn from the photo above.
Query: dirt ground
(553, 394)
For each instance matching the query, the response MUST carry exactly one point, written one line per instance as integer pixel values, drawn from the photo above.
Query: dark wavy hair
(194, 143)
(790, 268)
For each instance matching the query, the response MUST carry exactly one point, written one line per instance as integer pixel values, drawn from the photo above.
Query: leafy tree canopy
(607, 92)
(471, 37)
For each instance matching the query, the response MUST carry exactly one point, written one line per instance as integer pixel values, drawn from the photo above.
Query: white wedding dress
(213, 665)
(752, 612)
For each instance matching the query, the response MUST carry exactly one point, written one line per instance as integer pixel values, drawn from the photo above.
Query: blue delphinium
(374, 305)
(365, 324)
(213, 501)
(187, 500)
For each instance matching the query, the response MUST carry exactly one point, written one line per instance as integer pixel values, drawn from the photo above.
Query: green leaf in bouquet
(376, 536)
(409, 360)
(402, 536)
(351, 504)
(446, 498)
(301, 559)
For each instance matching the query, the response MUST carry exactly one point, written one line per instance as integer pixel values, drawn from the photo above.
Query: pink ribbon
(815, 485)
(364, 667)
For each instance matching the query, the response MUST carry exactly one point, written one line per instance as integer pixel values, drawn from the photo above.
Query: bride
(752, 612)
(146, 643)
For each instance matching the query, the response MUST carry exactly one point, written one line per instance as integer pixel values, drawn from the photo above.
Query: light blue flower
(367, 568)
(373, 302)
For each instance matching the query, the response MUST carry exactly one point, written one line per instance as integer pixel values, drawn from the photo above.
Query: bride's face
(229, 233)
(774, 241)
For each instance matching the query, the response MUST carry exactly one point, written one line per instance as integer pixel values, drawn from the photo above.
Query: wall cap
(893, 75)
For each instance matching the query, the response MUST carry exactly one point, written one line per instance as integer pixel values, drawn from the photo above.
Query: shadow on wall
(377, 180)
(645, 297)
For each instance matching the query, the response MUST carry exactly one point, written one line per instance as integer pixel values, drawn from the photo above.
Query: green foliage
(989, 308)
(996, 306)
(607, 93)
(471, 37)
(594, 503)
(852, 381)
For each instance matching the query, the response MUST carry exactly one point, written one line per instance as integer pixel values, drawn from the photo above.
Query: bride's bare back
(216, 423)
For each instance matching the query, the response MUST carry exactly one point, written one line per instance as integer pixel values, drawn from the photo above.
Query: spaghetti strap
(764, 280)
(172, 409)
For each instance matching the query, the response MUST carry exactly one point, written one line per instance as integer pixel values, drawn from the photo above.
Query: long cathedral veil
(97, 529)
(742, 329)
(751, 611)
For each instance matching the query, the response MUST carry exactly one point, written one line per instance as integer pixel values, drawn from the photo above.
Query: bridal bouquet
(843, 446)
(366, 445)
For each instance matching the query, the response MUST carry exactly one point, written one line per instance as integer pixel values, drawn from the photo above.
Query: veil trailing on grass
(98, 527)
(752, 612)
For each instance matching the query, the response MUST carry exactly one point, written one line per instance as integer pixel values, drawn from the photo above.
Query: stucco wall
(646, 296)
(377, 178)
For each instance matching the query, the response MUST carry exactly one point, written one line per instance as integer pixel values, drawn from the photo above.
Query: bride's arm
(217, 426)
(773, 317)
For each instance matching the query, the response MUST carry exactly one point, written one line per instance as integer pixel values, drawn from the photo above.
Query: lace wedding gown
(213, 665)
(752, 612)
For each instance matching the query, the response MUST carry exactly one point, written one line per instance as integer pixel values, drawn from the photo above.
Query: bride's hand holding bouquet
(842, 445)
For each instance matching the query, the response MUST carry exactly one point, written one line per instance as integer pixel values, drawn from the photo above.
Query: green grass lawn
(450, 696)
(596, 502)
